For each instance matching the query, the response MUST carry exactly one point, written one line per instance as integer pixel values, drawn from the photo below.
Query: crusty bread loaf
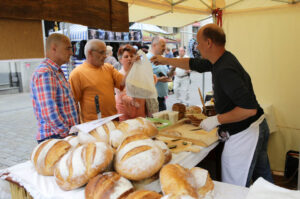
(193, 110)
(108, 185)
(138, 157)
(131, 127)
(76, 167)
(143, 125)
(180, 108)
(165, 149)
(205, 185)
(144, 194)
(172, 196)
(179, 182)
(47, 154)
(100, 134)
(174, 179)
(73, 140)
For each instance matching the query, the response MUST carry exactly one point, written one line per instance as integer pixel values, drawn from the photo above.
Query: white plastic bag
(140, 81)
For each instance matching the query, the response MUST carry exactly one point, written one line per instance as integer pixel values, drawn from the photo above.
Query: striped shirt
(53, 101)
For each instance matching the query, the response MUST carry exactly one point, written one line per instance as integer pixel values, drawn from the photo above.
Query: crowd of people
(98, 86)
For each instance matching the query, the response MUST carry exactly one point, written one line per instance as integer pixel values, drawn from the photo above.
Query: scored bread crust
(143, 125)
(177, 182)
(175, 179)
(108, 185)
(47, 154)
(144, 194)
(138, 157)
(78, 166)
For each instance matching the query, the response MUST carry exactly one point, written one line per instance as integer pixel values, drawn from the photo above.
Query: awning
(178, 13)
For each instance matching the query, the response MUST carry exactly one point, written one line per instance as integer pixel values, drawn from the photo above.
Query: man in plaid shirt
(52, 98)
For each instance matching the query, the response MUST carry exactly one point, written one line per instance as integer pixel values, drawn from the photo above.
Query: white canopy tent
(147, 27)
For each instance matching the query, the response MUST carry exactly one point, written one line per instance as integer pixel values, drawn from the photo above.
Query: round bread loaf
(131, 127)
(143, 125)
(76, 167)
(165, 149)
(193, 110)
(73, 140)
(100, 134)
(108, 185)
(172, 196)
(47, 154)
(174, 179)
(204, 184)
(138, 157)
(144, 194)
(179, 182)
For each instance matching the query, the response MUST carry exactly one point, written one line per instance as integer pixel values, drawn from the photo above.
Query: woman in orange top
(128, 106)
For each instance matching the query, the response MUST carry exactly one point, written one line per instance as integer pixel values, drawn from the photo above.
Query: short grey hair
(108, 50)
(92, 45)
(156, 39)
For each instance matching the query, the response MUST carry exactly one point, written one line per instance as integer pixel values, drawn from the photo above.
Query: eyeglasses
(103, 52)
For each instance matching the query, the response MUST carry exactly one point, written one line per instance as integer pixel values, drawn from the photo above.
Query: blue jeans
(50, 137)
(260, 166)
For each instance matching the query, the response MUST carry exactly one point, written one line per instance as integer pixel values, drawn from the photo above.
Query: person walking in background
(52, 99)
(163, 74)
(182, 81)
(110, 59)
(240, 118)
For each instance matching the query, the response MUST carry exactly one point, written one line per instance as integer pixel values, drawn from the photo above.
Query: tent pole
(213, 8)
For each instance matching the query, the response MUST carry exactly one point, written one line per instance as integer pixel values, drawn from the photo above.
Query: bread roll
(165, 149)
(144, 194)
(108, 185)
(180, 183)
(143, 125)
(47, 154)
(138, 157)
(172, 196)
(100, 134)
(76, 167)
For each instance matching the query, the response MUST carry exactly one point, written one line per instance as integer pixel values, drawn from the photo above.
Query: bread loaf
(179, 183)
(47, 154)
(73, 140)
(180, 108)
(108, 185)
(76, 167)
(175, 179)
(143, 125)
(100, 134)
(138, 157)
(165, 149)
(172, 196)
(131, 127)
(144, 194)
(193, 110)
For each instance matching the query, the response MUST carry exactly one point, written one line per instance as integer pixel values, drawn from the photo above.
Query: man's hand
(210, 123)
(159, 60)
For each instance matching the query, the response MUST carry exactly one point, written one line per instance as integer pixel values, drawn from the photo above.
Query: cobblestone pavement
(18, 125)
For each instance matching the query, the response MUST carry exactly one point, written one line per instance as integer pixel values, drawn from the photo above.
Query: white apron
(238, 153)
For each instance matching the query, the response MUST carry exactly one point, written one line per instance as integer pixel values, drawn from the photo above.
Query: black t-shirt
(232, 87)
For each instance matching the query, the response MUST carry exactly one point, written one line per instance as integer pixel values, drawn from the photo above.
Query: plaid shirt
(53, 102)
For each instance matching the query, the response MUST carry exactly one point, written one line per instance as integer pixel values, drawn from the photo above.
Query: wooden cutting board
(184, 131)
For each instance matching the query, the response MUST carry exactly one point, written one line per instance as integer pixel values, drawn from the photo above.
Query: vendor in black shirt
(240, 118)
